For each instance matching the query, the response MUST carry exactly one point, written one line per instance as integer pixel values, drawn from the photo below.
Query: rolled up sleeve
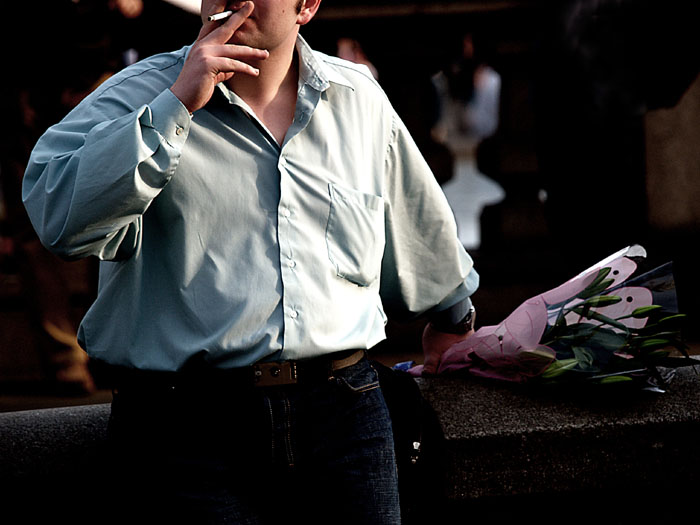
(425, 266)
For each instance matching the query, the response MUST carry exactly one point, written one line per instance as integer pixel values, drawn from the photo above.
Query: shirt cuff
(170, 118)
(454, 309)
(462, 292)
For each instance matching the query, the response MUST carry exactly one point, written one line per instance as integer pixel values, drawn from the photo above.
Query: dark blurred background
(592, 144)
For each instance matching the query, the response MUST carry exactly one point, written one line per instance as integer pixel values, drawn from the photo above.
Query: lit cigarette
(220, 16)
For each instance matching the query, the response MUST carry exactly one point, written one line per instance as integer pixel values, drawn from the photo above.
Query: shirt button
(293, 314)
(179, 130)
(286, 213)
(291, 264)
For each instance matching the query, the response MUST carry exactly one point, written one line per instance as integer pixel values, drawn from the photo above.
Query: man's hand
(435, 343)
(212, 60)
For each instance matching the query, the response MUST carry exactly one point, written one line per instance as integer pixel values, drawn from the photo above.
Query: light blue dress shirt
(219, 242)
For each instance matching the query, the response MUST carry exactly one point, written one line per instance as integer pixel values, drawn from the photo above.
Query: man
(257, 207)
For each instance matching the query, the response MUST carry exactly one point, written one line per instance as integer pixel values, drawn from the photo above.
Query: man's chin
(242, 38)
(239, 41)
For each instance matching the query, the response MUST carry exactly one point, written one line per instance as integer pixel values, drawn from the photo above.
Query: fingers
(212, 59)
(230, 66)
(241, 52)
(206, 66)
(227, 58)
(430, 365)
(224, 58)
(222, 31)
(209, 7)
(435, 345)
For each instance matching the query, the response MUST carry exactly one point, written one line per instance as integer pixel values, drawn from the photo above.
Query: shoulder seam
(135, 74)
(344, 64)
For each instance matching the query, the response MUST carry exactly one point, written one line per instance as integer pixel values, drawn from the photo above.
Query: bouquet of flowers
(604, 325)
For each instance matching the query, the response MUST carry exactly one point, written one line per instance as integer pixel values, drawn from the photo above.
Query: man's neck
(271, 94)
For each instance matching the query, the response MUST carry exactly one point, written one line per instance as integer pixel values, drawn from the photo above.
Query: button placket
(286, 227)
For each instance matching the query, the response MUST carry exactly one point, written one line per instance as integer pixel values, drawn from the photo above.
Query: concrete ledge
(35, 443)
(512, 452)
(52, 465)
(516, 452)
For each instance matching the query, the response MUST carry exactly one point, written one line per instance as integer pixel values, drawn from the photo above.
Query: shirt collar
(315, 72)
(312, 71)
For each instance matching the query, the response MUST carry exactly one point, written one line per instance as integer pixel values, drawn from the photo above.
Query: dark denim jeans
(318, 453)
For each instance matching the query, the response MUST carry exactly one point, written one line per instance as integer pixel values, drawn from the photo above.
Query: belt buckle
(275, 374)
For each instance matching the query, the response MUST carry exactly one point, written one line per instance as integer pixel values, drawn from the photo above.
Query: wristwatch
(443, 323)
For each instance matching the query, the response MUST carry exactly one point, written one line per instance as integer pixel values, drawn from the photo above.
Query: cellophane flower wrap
(605, 325)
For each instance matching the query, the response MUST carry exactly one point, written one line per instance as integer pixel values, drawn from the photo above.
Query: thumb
(430, 364)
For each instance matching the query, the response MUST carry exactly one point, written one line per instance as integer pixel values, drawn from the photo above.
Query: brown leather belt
(262, 374)
(291, 372)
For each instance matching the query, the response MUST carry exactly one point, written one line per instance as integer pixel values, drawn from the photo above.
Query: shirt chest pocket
(355, 234)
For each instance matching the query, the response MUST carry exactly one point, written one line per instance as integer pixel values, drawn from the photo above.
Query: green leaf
(594, 337)
(681, 347)
(645, 311)
(596, 316)
(607, 340)
(654, 343)
(602, 274)
(591, 290)
(641, 312)
(536, 359)
(672, 318)
(584, 356)
(578, 330)
(602, 300)
(540, 352)
(658, 328)
(597, 285)
(659, 354)
(615, 379)
(559, 367)
(658, 335)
